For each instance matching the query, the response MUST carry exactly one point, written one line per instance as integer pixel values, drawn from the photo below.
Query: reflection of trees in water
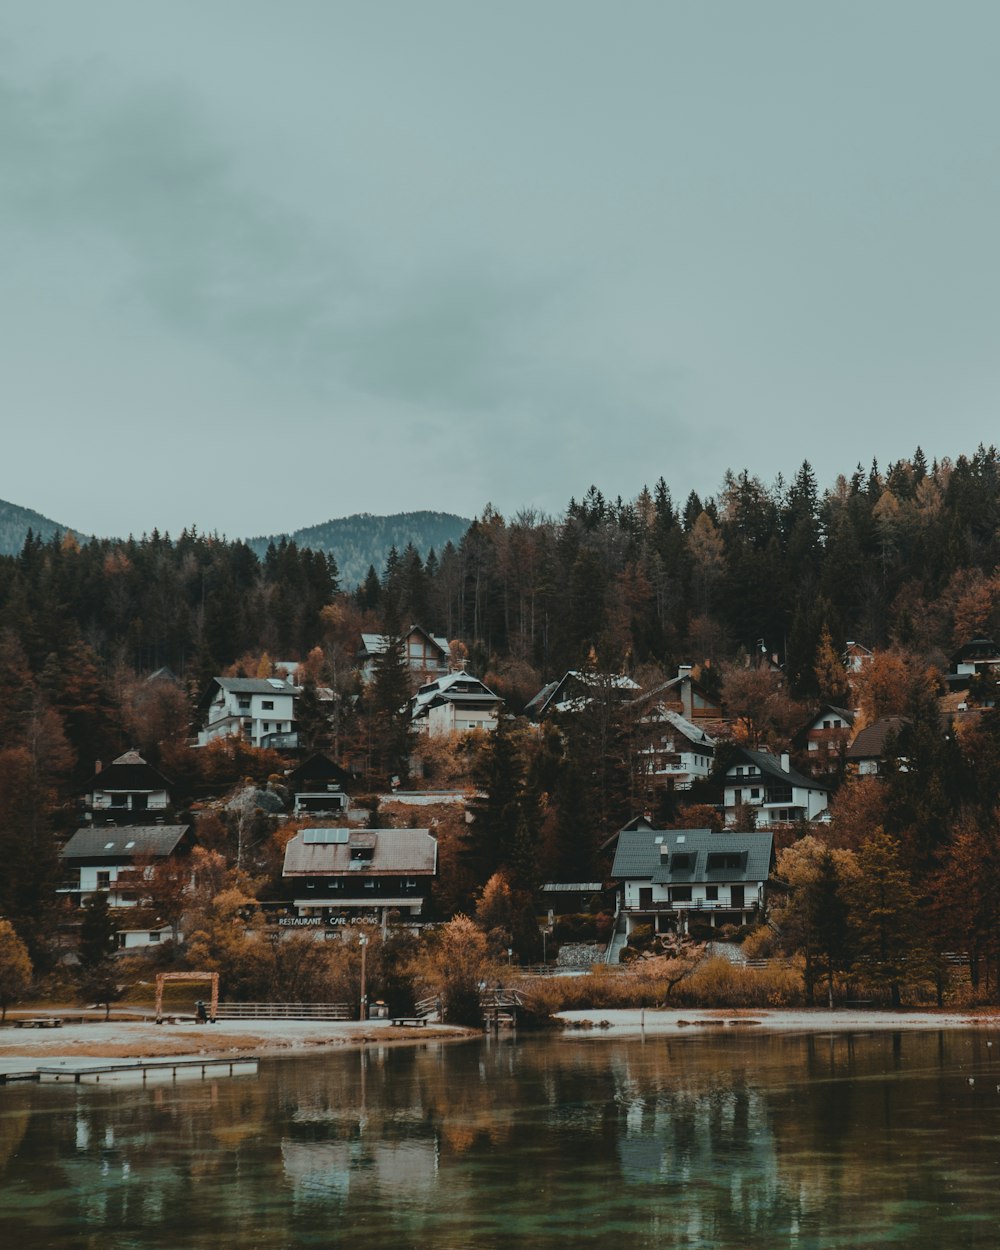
(710, 1140)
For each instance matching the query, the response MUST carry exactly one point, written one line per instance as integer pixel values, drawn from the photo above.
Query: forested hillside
(15, 523)
(758, 588)
(362, 540)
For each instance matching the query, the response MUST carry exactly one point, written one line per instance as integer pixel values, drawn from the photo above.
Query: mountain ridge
(355, 541)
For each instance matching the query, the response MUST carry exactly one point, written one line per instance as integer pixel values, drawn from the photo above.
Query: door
(646, 896)
(737, 896)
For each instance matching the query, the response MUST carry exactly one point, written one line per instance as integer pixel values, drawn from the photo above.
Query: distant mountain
(15, 523)
(354, 541)
(360, 540)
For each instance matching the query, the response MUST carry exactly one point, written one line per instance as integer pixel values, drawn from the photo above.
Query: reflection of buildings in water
(325, 1170)
(319, 1170)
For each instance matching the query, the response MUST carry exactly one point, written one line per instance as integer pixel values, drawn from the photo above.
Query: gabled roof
(647, 854)
(983, 649)
(671, 687)
(129, 772)
(770, 766)
(376, 644)
(328, 852)
(459, 687)
(129, 842)
(317, 767)
(697, 737)
(870, 742)
(558, 695)
(843, 712)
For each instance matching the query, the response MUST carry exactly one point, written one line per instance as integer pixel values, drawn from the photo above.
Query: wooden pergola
(201, 977)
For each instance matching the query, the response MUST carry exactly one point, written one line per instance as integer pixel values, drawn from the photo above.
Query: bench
(39, 1022)
(409, 1021)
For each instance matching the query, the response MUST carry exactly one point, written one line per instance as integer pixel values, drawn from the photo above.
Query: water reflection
(731, 1140)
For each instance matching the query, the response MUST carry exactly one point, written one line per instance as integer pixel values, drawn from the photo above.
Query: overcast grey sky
(264, 264)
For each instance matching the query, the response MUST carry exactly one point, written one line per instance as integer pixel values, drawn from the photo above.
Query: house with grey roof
(670, 750)
(426, 655)
(671, 878)
(260, 710)
(113, 861)
(768, 783)
(454, 703)
(338, 874)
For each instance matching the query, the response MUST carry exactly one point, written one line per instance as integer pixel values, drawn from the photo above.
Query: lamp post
(363, 943)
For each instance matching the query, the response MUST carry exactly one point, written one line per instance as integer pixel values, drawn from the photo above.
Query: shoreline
(81, 1042)
(76, 1044)
(678, 1021)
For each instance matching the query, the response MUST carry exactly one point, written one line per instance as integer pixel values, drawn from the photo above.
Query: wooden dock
(142, 1070)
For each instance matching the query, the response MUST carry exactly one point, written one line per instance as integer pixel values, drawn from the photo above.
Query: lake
(721, 1140)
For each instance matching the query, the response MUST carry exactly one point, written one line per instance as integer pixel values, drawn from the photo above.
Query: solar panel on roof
(325, 837)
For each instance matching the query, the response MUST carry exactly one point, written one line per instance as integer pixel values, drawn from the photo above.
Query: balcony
(698, 904)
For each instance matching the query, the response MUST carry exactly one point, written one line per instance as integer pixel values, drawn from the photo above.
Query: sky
(266, 264)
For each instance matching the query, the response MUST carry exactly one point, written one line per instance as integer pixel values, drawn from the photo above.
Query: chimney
(785, 762)
(687, 697)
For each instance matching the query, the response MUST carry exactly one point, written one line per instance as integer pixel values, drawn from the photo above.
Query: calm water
(742, 1140)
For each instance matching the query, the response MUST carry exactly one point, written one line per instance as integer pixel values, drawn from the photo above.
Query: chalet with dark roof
(338, 874)
(128, 791)
(866, 755)
(670, 878)
(319, 785)
(768, 783)
(979, 657)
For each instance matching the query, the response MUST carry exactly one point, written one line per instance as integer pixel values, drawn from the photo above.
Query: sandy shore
(23, 1049)
(620, 1023)
(77, 1043)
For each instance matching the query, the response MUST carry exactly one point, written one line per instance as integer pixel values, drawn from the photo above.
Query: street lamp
(363, 943)
(510, 952)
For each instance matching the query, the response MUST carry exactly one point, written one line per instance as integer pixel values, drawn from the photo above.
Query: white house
(671, 877)
(825, 737)
(768, 783)
(454, 703)
(673, 751)
(112, 860)
(866, 754)
(259, 710)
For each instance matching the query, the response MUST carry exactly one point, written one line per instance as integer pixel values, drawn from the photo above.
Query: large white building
(261, 711)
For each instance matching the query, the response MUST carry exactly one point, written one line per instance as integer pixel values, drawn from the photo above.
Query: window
(154, 935)
(680, 894)
(369, 885)
(244, 705)
(712, 893)
(681, 862)
(267, 726)
(119, 800)
(104, 880)
(755, 792)
(267, 705)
